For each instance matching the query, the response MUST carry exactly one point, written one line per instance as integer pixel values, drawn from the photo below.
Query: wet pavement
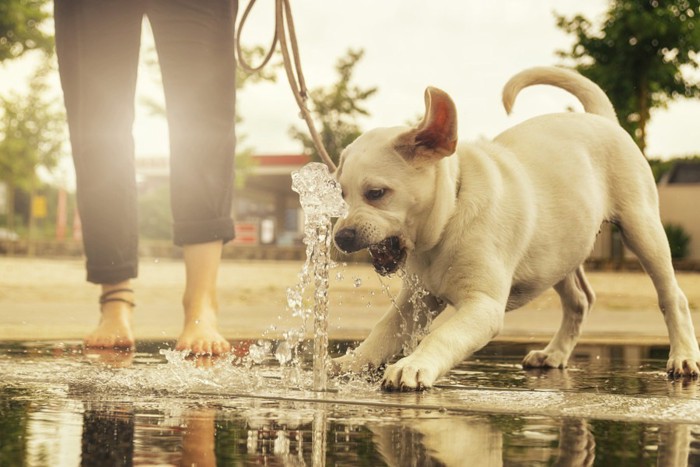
(613, 406)
(61, 406)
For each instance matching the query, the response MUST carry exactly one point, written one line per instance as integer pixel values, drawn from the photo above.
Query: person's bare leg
(200, 334)
(114, 329)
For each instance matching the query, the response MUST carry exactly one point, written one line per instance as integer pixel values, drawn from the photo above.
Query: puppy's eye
(375, 194)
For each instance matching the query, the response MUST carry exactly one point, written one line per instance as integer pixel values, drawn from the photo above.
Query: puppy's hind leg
(643, 233)
(577, 299)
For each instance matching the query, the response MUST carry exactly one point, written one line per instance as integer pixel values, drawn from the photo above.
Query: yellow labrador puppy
(491, 225)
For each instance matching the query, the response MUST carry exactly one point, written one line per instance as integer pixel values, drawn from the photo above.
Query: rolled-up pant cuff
(111, 274)
(190, 233)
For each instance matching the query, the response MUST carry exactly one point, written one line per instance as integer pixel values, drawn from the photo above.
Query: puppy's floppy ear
(435, 136)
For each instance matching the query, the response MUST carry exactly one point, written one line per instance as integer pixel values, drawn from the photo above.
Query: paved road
(49, 299)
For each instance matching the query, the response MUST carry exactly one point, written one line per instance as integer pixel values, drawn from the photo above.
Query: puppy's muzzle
(346, 240)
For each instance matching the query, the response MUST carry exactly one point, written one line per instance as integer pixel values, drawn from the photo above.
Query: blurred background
(367, 65)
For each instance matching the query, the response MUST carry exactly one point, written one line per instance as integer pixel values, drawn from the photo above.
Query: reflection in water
(576, 443)
(440, 441)
(319, 437)
(123, 409)
(108, 436)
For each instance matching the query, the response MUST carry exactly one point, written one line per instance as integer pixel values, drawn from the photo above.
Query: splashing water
(415, 327)
(321, 199)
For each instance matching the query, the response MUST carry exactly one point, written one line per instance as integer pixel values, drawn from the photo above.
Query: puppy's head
(388, 180)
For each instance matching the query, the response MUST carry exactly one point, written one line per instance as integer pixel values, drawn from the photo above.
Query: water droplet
(259, 351)
(283, 354)
(357, 282)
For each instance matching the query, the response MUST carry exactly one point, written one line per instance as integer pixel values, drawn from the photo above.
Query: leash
(284, 26)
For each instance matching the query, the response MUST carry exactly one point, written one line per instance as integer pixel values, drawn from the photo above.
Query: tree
(32, 132)
(20, 22)
(336, 110)
(638, 55)
(678, 241)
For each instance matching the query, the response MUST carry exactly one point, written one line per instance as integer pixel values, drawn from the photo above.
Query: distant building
(266, 210)
(679, 201)
(267, 202)
(679, 204)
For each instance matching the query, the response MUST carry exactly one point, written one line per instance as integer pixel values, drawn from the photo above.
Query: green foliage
(253, 55)
(638, 54)
(336, 110)
(678, 240)
(244, 164)
(20, 22)
(32, 133)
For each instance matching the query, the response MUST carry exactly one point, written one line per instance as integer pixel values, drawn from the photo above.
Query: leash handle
(284, 26)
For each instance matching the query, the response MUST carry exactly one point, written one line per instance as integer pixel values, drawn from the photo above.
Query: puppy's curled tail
(591, 96)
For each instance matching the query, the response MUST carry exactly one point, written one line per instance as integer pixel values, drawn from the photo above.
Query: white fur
(494, 225)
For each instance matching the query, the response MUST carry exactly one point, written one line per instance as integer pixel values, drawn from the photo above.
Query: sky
(468, 48)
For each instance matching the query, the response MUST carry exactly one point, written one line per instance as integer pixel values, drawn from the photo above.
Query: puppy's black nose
(345, 240)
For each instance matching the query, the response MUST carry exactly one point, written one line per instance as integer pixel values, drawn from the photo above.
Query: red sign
(246, 233)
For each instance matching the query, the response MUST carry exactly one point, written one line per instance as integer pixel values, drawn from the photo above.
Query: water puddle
(614, 406)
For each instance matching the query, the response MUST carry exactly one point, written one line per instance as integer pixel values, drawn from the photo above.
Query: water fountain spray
(321, 199)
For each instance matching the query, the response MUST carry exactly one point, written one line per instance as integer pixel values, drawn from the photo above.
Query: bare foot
(114, 330)
(201, 336)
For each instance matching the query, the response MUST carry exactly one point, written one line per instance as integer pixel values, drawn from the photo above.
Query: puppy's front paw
(542, 359)
(409, 374)
(679, 366)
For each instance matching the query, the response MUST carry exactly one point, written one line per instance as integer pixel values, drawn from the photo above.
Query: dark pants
(97, 43)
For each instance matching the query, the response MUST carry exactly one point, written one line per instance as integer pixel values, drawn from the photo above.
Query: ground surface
(49, 299)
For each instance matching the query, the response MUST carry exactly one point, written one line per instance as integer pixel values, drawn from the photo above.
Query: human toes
(107, 340)
(204, 346)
